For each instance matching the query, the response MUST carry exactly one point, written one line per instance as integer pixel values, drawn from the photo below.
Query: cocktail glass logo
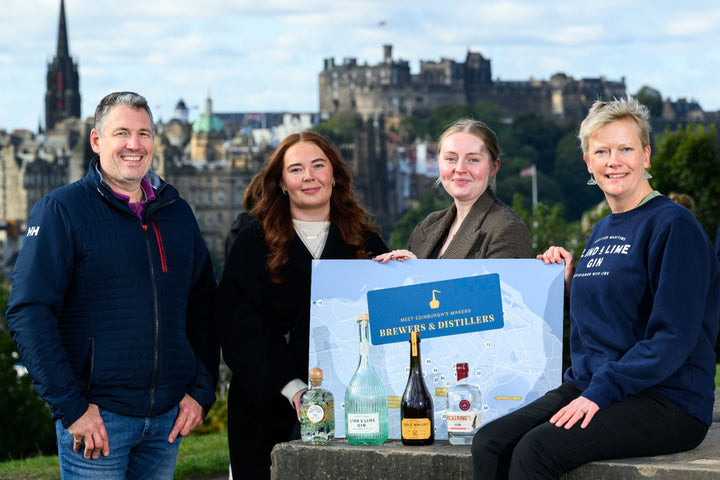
(435, 303)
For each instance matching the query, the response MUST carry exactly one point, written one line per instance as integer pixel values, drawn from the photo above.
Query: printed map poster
(512, 365)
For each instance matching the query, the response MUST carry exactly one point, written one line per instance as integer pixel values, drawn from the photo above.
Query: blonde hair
(602, 113)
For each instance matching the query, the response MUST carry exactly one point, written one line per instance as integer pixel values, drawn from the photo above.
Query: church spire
(62, 42)
(62, 96)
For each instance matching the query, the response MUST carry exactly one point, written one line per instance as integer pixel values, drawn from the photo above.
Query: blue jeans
(138, 449)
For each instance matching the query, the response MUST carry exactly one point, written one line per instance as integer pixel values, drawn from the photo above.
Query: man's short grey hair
(127, 99)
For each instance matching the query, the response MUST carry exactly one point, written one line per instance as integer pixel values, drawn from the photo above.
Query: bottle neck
(364, 336)
(315, 383)
(415, 365)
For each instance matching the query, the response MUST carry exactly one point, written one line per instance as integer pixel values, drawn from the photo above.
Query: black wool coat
(264, 329)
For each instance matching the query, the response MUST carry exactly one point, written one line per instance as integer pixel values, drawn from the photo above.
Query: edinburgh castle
(212, 159)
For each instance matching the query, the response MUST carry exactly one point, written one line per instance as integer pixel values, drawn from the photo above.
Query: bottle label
(315, 413)
(462, 422)
(363, 423)
(416, 428)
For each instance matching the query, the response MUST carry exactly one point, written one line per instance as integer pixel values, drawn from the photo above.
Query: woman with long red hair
(307, 211)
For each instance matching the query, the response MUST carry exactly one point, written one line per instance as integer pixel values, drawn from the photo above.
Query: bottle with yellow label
(417, 420)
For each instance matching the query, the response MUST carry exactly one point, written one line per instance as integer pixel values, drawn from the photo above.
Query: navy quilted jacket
(108, 309)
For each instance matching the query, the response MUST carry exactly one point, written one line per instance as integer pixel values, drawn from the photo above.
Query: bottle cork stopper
(316, 374)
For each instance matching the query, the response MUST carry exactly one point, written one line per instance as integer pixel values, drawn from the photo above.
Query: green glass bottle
(366, 410)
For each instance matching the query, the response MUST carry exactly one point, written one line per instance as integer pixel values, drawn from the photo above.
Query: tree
(340, 128)
(688, 161)
(570, 174)
(431, 201)
(651, 98)
(27, 427)
(431, 127)
(542, 135)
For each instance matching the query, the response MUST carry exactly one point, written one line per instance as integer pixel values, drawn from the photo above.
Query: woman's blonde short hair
(602, 113)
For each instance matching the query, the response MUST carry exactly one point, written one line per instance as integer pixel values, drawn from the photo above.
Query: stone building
(371, 174)
(390, 89)
(62, 96)
(210, 167)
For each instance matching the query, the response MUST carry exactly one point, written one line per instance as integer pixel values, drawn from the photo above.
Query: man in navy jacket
(111, 307)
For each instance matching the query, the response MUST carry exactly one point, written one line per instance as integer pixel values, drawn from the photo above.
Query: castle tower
(62, 97)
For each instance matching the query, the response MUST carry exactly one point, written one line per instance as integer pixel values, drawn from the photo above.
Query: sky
(253, 56)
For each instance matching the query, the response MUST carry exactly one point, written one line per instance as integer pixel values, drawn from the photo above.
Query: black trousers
(525, 445)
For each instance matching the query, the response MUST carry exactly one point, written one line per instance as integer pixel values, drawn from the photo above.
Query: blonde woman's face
(617, 159)
(466, 166)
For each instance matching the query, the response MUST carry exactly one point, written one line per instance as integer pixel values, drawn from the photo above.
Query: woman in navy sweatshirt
(644, 309)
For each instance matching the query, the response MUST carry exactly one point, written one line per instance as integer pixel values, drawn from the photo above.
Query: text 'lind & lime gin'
(366, 410)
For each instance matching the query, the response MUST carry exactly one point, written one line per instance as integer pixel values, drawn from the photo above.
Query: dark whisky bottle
(417, 425)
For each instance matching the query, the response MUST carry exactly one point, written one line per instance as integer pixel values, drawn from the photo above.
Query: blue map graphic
(512, 365)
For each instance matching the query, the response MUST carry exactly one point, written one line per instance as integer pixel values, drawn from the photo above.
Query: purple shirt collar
(138, 207)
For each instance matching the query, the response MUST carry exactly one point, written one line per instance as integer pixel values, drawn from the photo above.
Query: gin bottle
(366, 410)
(417, 425)
(463, 404)
(317, 412)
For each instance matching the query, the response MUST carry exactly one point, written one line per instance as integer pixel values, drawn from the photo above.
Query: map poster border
(512, 365)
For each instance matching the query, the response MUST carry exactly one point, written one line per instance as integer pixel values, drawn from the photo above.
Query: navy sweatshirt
(644, 308)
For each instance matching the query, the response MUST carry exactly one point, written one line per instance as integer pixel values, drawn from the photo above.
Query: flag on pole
(528, 172)
(531, 171)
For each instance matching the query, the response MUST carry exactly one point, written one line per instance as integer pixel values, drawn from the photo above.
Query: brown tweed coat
(490, 230)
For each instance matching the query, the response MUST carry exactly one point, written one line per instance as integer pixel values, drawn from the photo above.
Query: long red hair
(273, 208)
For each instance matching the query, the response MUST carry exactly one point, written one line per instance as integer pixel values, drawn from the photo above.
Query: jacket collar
(94, 176)
(466, 236)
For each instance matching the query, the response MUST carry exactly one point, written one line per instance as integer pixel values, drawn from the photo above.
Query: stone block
(393, 461)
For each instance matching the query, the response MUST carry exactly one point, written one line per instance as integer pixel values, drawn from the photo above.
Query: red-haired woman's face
(307, 178)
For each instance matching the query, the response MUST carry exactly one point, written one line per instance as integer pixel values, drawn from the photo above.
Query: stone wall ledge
(393, 461)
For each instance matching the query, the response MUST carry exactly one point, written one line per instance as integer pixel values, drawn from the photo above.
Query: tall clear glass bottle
(416, 408)
(463, 404)
(366, 410)
(317, 412)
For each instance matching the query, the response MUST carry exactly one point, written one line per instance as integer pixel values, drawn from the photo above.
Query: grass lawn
(200, 455)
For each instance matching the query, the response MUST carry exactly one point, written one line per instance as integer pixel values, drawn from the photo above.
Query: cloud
(267, 55)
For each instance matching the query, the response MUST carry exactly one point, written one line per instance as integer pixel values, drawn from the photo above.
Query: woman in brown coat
(478, 224)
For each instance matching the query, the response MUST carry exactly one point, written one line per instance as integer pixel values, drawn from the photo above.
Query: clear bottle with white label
(463, 409)
(366, 410)
(317, 412)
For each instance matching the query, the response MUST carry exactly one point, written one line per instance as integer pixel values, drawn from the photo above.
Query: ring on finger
(77, 442)
(581, 410)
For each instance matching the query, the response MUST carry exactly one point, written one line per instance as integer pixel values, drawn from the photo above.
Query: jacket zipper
(156, 344)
